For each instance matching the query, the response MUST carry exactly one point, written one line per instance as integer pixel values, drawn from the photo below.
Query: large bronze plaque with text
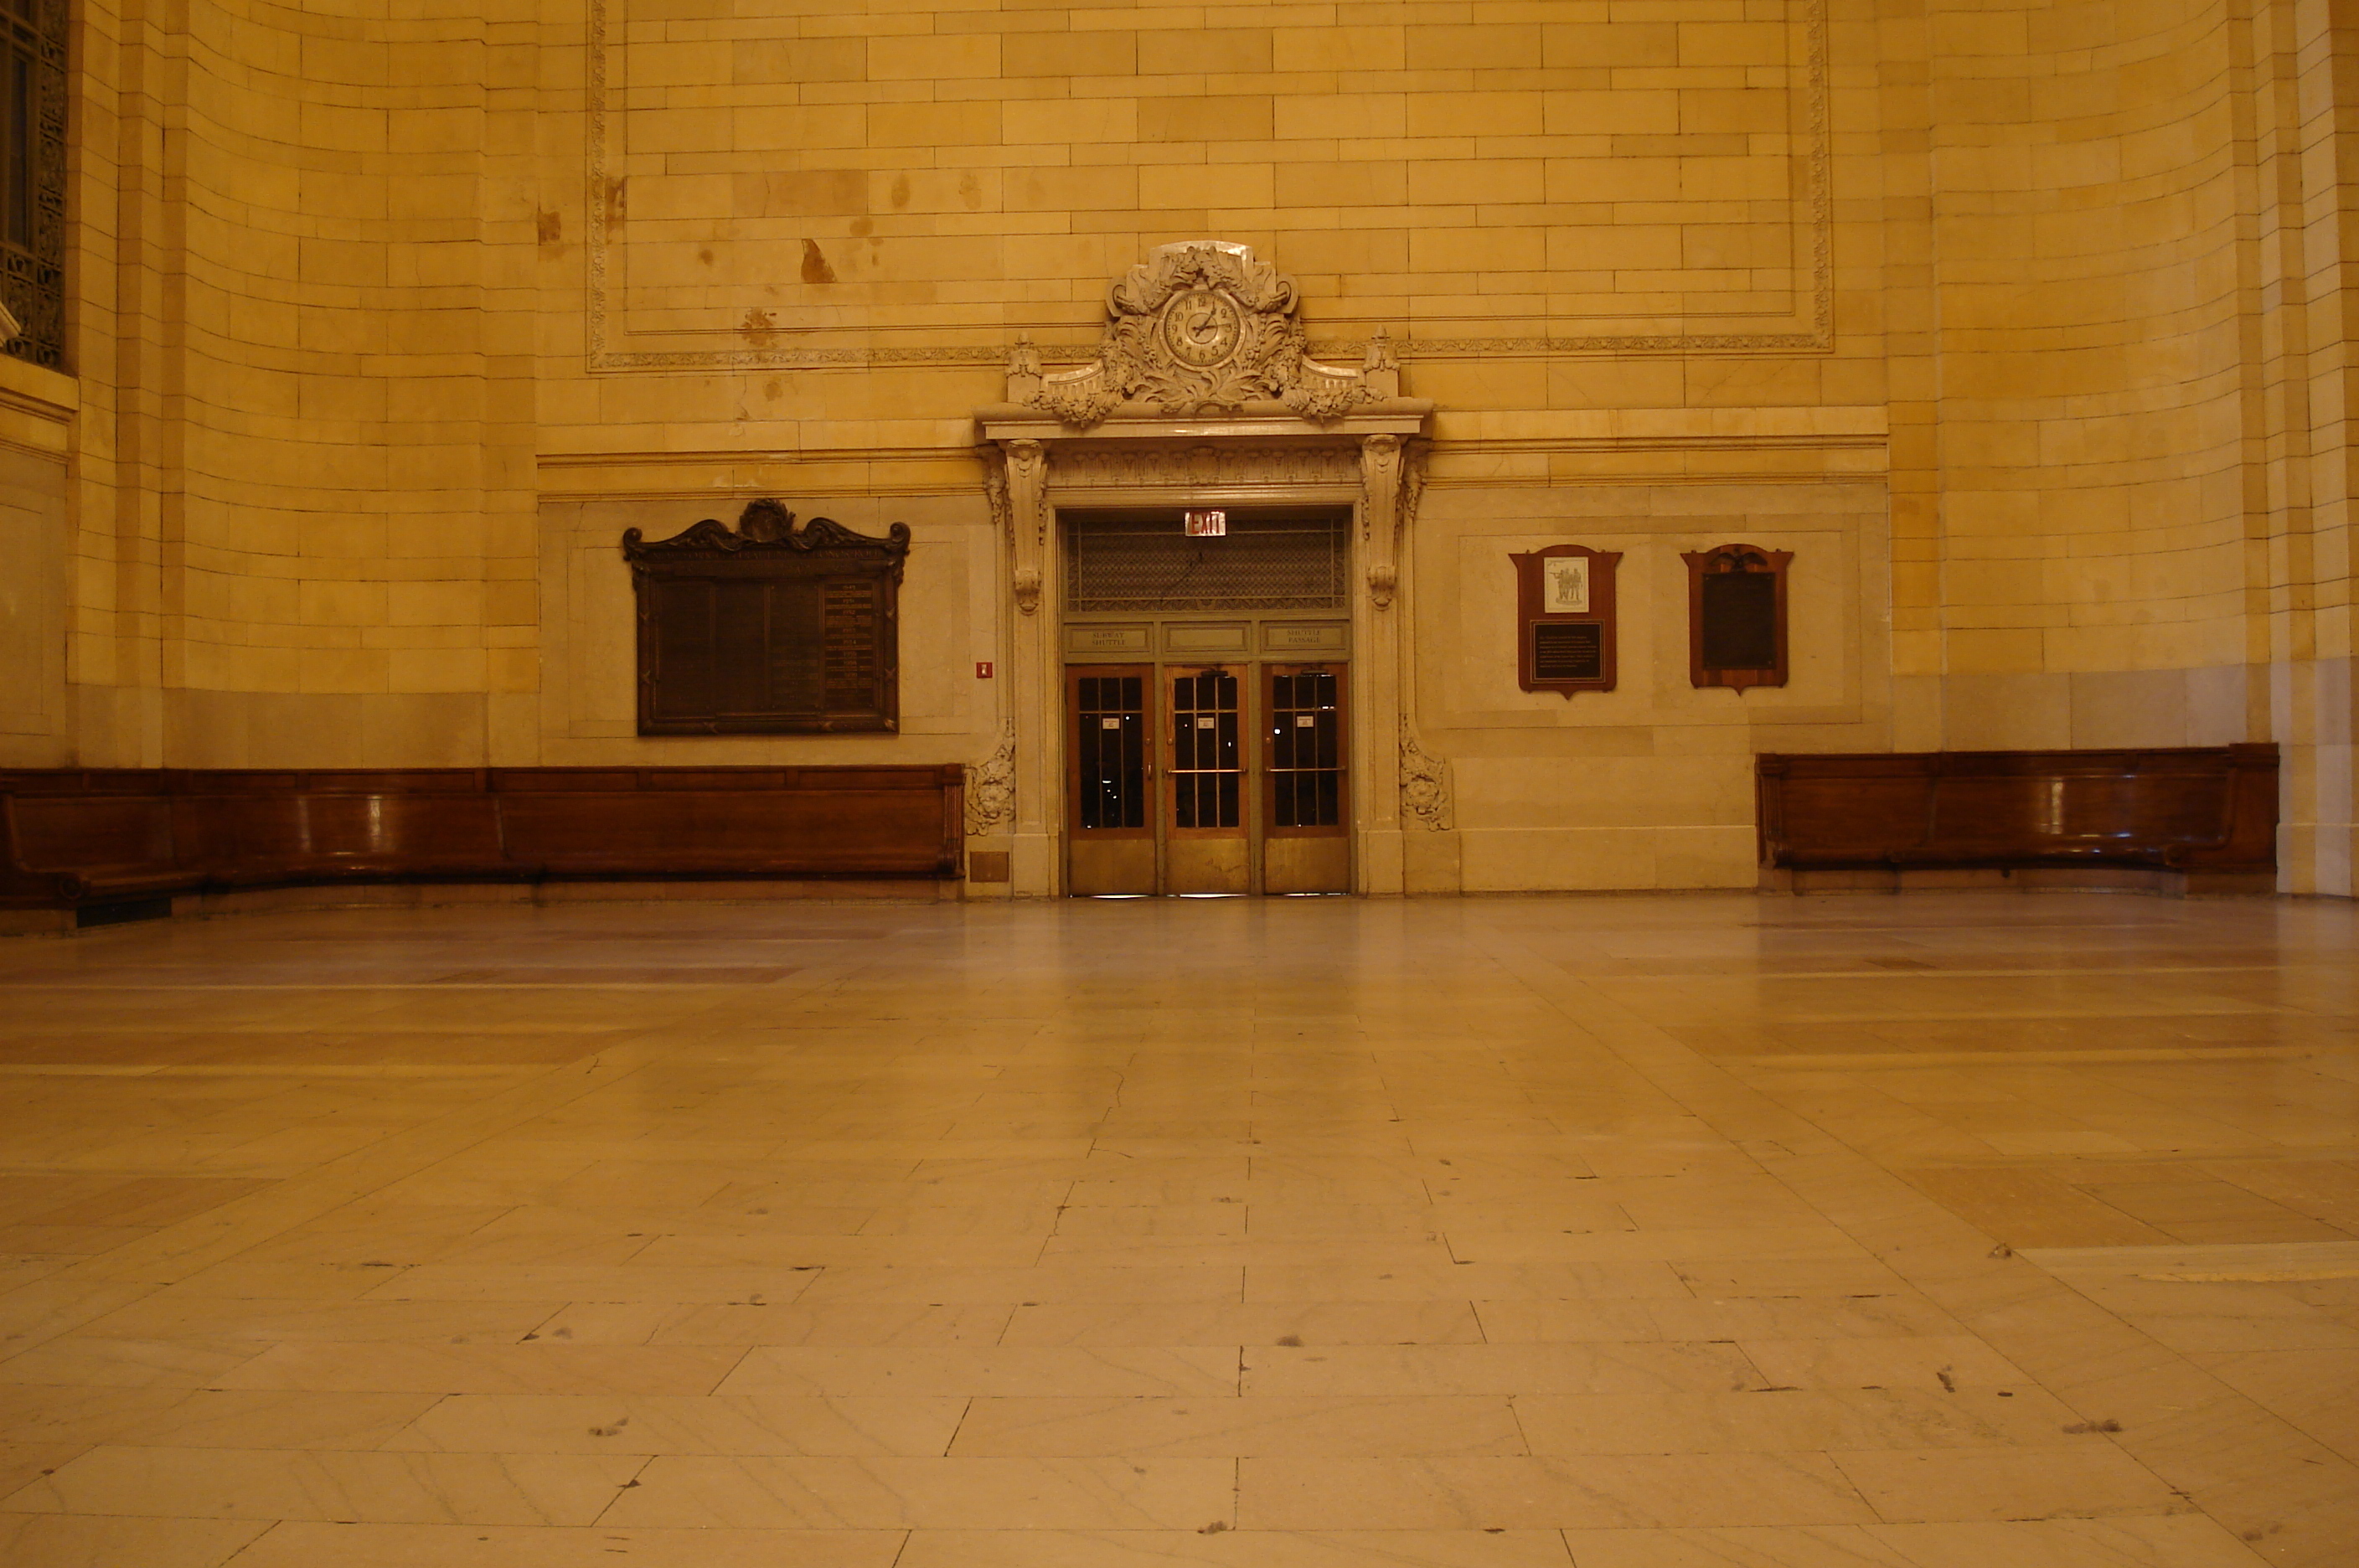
(767, 628)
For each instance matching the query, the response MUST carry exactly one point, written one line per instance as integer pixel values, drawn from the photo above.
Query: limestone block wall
(1649, 785)
(947, 623)
(36, 414)
(309, 533)
(2018, 320)
(2086, 192)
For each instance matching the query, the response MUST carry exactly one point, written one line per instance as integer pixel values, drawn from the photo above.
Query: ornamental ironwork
(33, 179)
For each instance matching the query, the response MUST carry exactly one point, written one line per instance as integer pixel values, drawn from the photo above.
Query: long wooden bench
(2207, 812)
(75, 838)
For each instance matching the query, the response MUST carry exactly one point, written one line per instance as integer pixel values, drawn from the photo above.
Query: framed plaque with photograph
(1564, 633)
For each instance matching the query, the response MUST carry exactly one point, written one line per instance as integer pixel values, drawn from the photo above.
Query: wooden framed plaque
(1736, 616)
(1564, 619)
(768, 628)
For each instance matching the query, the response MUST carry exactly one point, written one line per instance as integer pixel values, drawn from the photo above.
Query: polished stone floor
(1703, 1232)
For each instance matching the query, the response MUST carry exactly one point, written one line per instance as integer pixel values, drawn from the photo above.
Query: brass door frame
(1187, 853)
(1314, 858)
(1341, 670)
(1089, 857)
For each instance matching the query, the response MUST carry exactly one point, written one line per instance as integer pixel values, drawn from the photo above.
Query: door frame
(1247, 830)
(1151, 831)
(1038, 463)
(1341, 668)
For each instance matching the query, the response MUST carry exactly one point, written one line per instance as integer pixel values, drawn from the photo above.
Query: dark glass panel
(1739, 612)
(1111, 751)
(683, 633)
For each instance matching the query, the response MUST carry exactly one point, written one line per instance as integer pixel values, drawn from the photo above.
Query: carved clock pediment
(1204, 327)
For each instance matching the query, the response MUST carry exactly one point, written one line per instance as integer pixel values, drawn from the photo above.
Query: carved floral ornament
(1197, 328)
(766, 527)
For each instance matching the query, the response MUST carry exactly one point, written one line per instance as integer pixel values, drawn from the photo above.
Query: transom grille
(1143, 562)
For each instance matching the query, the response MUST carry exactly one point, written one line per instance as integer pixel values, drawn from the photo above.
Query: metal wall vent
(1143, 562)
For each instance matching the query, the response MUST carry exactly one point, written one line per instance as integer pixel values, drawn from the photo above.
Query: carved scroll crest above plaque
(1201, 327)
(766, 527)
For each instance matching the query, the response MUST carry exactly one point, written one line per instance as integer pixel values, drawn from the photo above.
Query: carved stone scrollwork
(1196, 327)
(1425, 786)
(991, 787)
(1383, 579)
(1022, 493)
(1028, 475)
(1123, 468)
(1380, 457)
(1413, 483)
(995, 493)
(766, 529)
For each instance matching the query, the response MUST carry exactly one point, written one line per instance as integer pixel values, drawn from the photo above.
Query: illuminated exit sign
(1207, 524)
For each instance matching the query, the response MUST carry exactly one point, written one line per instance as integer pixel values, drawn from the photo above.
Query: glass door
(1111, 843)
(1206, 849)
(1307, 845)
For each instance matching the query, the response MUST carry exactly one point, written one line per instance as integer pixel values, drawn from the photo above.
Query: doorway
(1208, 779)
(1206, 691)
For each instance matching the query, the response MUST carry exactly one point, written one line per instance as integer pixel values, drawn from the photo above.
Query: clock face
(1201, 328)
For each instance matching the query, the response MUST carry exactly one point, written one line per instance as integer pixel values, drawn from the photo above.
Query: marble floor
(1682, 1232)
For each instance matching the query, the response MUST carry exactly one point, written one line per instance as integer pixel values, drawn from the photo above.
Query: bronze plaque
(1736, 616)
(1564, 607)
(1740, 621)
(767, 628)
(1567, 650)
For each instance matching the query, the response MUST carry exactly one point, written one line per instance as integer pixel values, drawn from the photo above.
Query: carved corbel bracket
(1028, 490)
(1018, 492)
(1425, 784)
(1380, 503)
(991, 787)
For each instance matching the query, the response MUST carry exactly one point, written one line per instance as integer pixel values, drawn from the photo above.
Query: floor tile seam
(1935, 1061)
(594, 1520)
(489, 1118)
(2155, 1347)
(1543, 979)
(210, 987)
(455, 1130)
(1728, 1018)
(1964, 1114)
(325, 1071)
(1933, 972)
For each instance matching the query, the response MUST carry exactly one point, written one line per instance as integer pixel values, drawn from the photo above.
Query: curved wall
(2086, 189)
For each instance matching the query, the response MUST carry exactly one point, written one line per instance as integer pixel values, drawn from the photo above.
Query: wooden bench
(2208, 813)
(75, 838)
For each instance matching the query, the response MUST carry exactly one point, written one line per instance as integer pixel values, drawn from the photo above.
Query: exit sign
(1207, 524)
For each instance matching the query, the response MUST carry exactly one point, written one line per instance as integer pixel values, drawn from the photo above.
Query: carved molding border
(1816, 215)
(1205, 465)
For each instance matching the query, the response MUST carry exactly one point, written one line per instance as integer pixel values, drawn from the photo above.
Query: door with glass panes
(1111, 827)
(1194, 778)
(1307, 845)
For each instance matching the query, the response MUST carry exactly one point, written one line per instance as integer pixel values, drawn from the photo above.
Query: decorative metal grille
(1144, 562)
(33, 177)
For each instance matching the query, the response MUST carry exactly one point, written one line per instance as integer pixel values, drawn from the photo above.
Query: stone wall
(2018, 322)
